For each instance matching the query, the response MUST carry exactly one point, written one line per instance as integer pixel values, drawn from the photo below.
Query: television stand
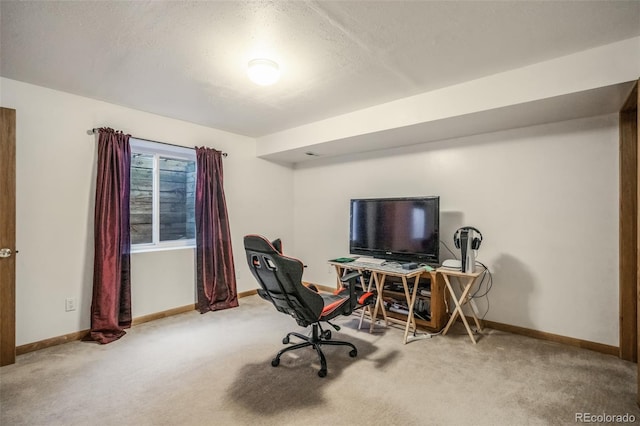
(409, 288)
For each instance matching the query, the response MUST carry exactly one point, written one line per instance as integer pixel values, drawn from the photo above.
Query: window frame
(157, 150)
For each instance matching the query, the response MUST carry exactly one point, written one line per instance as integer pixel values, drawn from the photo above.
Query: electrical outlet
(70, 304)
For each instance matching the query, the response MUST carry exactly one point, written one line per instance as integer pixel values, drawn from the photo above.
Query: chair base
(316, 340)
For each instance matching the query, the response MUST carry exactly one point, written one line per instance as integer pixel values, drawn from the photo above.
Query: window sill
(161, 248)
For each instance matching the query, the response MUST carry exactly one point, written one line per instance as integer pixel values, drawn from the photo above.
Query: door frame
(629, 221)
(630, 231)
(8, 236)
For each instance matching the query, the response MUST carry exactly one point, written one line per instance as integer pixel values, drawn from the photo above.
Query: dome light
(263, 71)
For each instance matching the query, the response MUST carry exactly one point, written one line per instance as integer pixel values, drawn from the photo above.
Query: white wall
(56, 162)
(544, 197)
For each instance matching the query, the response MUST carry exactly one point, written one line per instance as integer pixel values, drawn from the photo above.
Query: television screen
(404, 229)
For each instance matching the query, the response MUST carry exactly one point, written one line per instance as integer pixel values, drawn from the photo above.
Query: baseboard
(53, 341)
(247, 293)
(163, 314)
(320, 287)
(80, 335)
(571, 341)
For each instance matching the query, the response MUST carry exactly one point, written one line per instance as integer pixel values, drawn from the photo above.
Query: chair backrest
(280, 277)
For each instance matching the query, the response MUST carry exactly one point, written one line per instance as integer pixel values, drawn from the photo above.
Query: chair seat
(332, 302)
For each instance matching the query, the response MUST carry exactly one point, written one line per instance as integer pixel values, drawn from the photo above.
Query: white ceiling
(187, 59)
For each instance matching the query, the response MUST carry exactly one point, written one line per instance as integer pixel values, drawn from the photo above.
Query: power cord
(417, 335)
(488, 278)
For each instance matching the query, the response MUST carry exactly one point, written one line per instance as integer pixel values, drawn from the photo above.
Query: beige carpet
(214, 369)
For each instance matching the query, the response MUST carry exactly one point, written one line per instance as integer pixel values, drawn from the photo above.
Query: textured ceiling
(187, 60)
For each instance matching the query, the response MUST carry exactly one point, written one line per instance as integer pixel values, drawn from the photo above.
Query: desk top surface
(394, 269)
(458, 273)
(389, 269)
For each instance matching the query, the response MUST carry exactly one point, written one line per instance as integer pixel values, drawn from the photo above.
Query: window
(162, 197)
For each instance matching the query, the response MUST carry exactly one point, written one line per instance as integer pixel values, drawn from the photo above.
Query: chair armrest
(350, 276)
(359, 298)
(349, 280)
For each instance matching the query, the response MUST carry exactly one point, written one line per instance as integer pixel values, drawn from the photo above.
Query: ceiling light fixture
(263, 71)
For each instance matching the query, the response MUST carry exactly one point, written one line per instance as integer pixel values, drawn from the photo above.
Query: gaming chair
(280, 279)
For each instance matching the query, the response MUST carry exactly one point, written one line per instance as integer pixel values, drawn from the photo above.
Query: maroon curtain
(215, 274)
(111, 303)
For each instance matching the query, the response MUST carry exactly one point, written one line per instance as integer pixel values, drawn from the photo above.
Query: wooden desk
(466, 280)
(379, 274)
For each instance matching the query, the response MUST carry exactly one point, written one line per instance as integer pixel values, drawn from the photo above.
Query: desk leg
(379, 305)
(458, 310)
(339, 272)
(368, 307)
(411, 298)
(463, 300)
(453, 296)
(466, 299)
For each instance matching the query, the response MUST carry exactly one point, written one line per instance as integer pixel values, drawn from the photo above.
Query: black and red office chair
(280, 279)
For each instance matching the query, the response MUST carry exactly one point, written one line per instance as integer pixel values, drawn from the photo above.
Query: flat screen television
(401, 229)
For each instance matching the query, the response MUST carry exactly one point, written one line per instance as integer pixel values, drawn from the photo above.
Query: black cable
(489, 284)
(486, 273)
(487, 311)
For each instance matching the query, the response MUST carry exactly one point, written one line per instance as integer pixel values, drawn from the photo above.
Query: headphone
(475, 244)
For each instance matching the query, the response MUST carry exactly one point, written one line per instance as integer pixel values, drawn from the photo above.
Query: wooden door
(7, 236)
(629, 228)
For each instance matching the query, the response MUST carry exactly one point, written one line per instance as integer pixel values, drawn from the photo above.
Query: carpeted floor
(214, 369)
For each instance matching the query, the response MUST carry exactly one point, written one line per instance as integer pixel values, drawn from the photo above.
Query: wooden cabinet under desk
(430, 292)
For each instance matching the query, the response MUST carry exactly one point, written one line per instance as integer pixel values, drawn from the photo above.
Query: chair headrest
(261, 244)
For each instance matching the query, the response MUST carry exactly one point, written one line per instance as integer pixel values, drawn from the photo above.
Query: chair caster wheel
(275, 362)
(326, 334)
(285, 341)
(353, 353)
(322, 373)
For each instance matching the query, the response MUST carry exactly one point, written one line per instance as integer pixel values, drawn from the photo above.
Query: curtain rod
(94, 130)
